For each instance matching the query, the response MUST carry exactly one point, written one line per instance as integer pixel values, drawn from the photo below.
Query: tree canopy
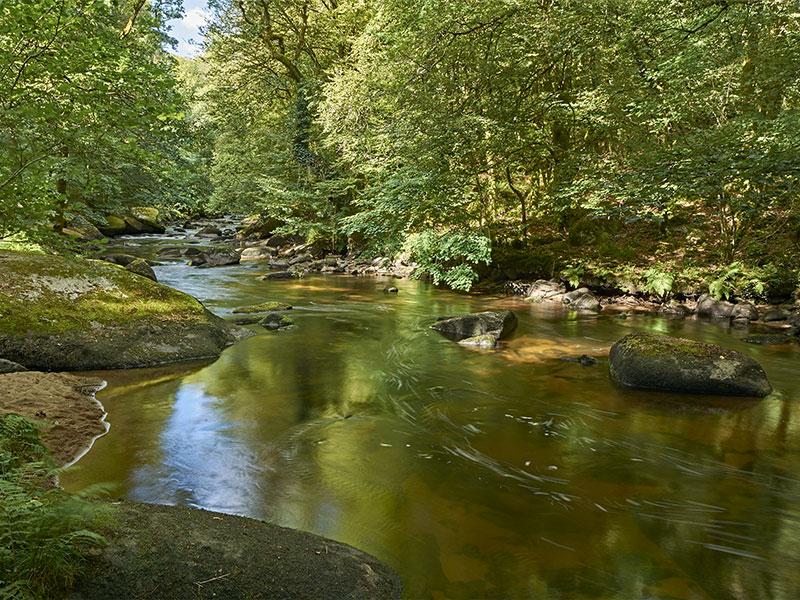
(461, 132)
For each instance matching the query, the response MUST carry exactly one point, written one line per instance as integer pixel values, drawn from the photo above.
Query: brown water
(474, 474)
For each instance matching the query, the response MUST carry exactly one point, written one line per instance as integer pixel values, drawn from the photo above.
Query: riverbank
(64, 403)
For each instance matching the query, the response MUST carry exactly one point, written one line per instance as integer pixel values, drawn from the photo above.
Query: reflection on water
(504, 474)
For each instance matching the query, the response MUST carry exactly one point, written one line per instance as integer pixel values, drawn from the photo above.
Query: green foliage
(43, 530)
(658, 282)
(572, 273)
(450, 257)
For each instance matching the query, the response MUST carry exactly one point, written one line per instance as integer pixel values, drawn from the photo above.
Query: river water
(507, 473)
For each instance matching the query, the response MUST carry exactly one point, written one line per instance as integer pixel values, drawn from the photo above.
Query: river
(507, 473)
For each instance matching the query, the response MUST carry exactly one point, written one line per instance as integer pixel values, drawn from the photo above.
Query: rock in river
(218, 257)
(667, 364)
(478, 329)
(68, 314)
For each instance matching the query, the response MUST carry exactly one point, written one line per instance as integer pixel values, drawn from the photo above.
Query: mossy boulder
(185, 553)
(146, 213)
(113, 225)
(263, 307)
(478, 329)
(68, 314)
(667, 364)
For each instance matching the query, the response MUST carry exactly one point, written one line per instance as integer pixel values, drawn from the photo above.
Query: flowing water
(475, 474)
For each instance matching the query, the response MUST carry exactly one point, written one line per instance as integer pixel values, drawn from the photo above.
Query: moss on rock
(62, 313)
(668, 364)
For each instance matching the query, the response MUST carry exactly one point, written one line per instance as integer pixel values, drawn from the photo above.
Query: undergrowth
(43, 530)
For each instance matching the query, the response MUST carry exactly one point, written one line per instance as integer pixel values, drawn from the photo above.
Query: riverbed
(505, 473)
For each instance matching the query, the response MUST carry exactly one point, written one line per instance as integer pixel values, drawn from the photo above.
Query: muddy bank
(186, 553)
(65, 403)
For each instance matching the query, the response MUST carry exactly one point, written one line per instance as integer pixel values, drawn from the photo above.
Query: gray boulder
(257, 253)
(123, 260)
(776, 314)
(542, 290)
(209, 231)
(707, 306)
(744, 310)
(478, 329)
(140, 267)
(216, 258)
(674, 309)
(667, 364)
(581, 299)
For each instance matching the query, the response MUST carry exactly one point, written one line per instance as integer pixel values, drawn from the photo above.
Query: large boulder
(667, 364)
(478, 329)
(82, 230)
(744, 310)
(8, 366)
(185, 553)
(113, 225)
(68, 314)
(258, 227)
(218, 257)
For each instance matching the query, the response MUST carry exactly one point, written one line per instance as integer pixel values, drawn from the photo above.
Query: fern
(43, 530)
(658, 282)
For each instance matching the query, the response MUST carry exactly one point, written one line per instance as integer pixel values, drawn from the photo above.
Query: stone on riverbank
(667, 364)
(62, 313)
(707, 306)
(581, 299)
(277, 275)
(141, 267)
(478, 329)
(8, 366)
(542, 290)
(185, 553)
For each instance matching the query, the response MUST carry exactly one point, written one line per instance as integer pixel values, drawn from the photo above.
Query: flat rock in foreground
(478, 329)
(59, 313)
(185, 553)
(667, 364)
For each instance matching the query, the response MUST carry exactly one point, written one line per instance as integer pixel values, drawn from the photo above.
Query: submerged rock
(583, 359)
(263, 307)
(478, 329)
(667, 364)
(275, 320)
(277, 275)
(186, 553)
(769, 339)
(68, 314)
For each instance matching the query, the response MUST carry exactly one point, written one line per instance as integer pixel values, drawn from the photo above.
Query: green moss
(53, 294)
(648, 344)
(275, 321)
(263, 307)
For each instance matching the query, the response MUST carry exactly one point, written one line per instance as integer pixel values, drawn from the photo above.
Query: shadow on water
(502, 474)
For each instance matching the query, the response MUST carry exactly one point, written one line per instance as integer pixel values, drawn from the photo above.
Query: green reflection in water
(502, 474)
